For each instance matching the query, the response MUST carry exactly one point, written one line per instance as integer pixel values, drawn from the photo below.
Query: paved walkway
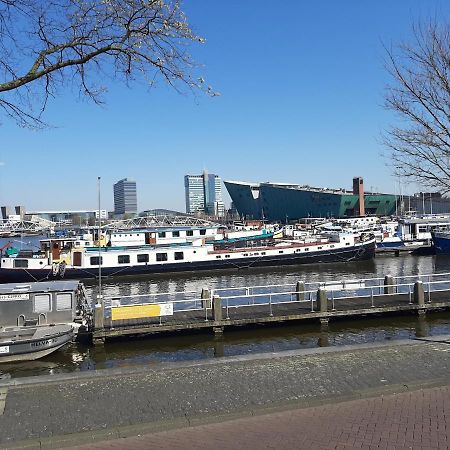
(74, 409)
(412, 420)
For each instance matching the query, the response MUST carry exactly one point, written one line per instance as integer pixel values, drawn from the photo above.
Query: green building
(285, 202)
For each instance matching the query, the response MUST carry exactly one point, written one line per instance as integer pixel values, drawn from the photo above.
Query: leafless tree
(49, 44)
(419, 142)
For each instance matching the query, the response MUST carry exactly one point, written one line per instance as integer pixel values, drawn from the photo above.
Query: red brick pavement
(410, 420)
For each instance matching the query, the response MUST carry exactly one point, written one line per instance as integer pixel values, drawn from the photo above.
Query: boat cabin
(40, 303)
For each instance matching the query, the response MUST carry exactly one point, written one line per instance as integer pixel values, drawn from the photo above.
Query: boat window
(95, 261)
(263, 253)
(178, 256)
(162, 234)
(245, 254)
(281, 251)
(218, 257)
(347, 243)
(189, 232)
(175, 233)
(123, 259)
(41, 303)
(20, 263)
(161, 257)
(202, 232)
(63, 301)
(142, 258)
(319, 248)
(227, 256)
(306, 249)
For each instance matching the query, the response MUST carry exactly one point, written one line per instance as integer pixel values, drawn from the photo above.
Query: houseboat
(59, 259)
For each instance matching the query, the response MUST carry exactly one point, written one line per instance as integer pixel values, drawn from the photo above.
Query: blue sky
(301, 101)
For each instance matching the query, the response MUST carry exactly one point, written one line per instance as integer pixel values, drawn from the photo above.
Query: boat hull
(441, 242)
(361, 252)
(36, 346)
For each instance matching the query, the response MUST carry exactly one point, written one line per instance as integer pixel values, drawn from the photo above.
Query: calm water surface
(154, 350)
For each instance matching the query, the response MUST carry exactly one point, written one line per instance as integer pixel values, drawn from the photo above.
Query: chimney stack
(358, 189)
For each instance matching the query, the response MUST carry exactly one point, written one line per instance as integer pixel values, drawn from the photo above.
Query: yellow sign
(141, 311)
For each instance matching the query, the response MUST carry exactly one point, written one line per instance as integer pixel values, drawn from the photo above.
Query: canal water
(152, 351)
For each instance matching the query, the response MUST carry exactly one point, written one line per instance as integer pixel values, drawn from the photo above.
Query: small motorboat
(32, 342)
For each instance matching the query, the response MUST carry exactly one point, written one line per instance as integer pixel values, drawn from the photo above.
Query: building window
(179, 256)
(161, 257)
(95, 260)
(142, 258)
(123, 259)
(189, 232)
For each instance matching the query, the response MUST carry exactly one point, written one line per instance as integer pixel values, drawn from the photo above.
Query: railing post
(322, 301)
(419, 294)
(217, 308)
(300, 291)
(388, 284)
(206, 298)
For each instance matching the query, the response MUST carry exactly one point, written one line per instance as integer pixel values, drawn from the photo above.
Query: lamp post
(99, 296)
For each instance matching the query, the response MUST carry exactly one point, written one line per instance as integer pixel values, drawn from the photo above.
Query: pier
(220, 310)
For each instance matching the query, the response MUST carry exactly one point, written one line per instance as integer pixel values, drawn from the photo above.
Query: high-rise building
(204, 194)
(125, 197)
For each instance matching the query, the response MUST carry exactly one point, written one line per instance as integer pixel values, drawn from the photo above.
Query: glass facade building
(204, 194)
(125, 197)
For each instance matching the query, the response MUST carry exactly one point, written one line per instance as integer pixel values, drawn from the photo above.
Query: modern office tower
(204, 194)
(125, 197)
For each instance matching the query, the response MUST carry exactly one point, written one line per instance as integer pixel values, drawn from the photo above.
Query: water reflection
(155, 350)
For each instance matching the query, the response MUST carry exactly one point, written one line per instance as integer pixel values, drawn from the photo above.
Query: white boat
(30, 343)
(412, 233)
(65, 259)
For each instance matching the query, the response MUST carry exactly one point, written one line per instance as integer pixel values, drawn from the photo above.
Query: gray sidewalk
(45, 412)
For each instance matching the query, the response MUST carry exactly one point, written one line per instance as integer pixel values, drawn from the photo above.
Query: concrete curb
(103, 373)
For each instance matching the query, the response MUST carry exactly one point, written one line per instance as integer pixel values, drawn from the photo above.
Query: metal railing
(367, 291)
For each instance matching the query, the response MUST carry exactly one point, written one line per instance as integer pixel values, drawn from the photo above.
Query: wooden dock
(218, 312)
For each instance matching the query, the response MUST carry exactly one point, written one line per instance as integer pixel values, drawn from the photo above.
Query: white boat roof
(41, 286)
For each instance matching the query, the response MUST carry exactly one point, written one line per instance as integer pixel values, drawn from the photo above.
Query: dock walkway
(222, 309)
(80, 408)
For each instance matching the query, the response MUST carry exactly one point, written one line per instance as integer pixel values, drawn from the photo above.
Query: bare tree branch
(420, 96)
(45, 45)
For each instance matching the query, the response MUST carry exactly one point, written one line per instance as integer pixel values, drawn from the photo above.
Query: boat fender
(62, 269)
(55, 268)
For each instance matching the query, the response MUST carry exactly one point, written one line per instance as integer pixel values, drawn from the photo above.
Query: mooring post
(388, 284)
(217, 308)
(322, 300)
(206, 298)
(300, 291)
(421, 327)
(99, 317)
(419, 294)
(99, 314)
